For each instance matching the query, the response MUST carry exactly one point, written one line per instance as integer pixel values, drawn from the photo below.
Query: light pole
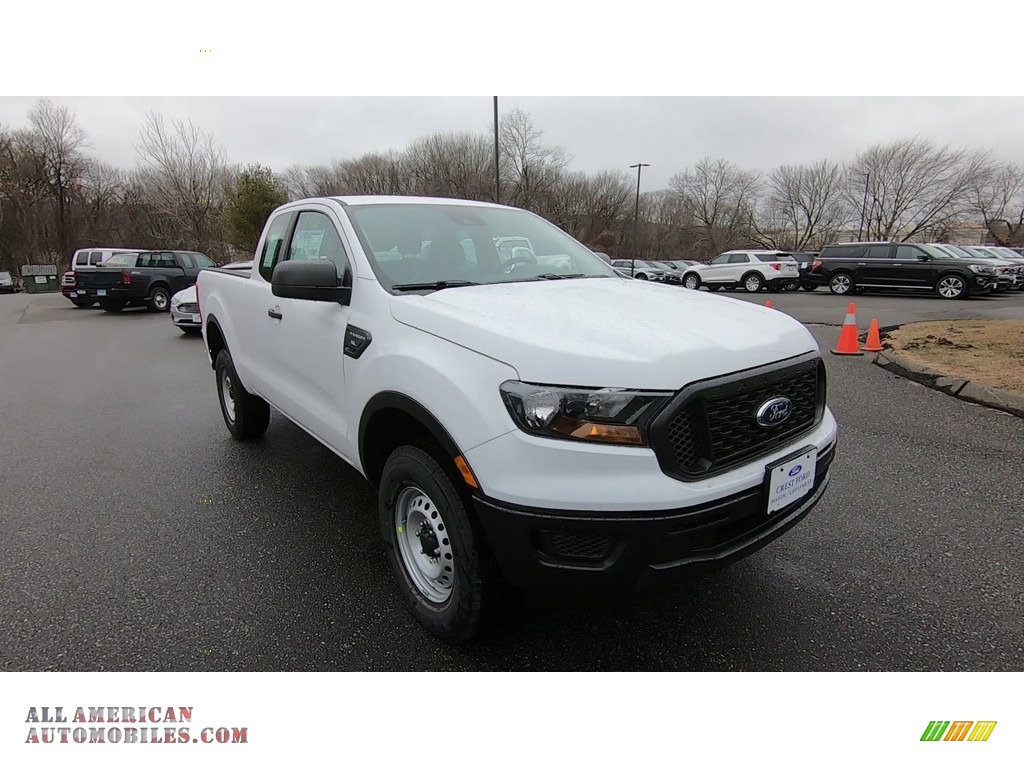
(497, 164)
(636, 217)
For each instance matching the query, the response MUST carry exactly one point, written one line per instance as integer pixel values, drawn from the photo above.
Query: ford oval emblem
(773, 412)
(795, 471)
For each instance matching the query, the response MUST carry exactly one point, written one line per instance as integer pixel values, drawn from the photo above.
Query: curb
(1000, 400)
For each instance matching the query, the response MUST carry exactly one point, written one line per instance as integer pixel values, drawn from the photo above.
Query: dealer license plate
(791, 480)
(101, 292)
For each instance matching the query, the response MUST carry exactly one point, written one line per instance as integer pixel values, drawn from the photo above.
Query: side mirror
(923, 257)
(311, 281)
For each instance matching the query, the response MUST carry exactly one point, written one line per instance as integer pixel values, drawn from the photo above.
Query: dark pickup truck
(148, 279)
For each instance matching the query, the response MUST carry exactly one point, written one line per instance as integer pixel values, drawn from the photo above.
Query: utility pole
(497, 163)
(636, 218)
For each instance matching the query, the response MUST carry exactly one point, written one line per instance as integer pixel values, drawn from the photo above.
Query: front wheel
(641, 276)
(246, 416)
(951, 287)
(692, 282)
(432, 547)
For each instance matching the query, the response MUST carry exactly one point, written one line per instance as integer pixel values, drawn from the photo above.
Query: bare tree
(451, 165)
(907, 187)
(530, 167)
(60, 140)
(183, 170)
(805, 206)
(998, 196)
(720, 198)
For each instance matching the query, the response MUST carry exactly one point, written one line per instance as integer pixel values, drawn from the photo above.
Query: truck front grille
(712, 425)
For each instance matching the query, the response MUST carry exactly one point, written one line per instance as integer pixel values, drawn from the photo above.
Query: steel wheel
(840, 284)
(423, 545)
(227, 396)
(951, 287)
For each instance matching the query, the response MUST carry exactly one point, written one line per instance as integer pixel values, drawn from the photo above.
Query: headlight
(593, 415)
(981, 270)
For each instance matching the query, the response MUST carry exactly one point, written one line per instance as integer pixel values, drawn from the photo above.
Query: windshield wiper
(435, 286)
(553, 276)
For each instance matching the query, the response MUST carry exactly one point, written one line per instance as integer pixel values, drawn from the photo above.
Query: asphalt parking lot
(138, 536)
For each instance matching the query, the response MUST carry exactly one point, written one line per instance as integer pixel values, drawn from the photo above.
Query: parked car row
(951, 271)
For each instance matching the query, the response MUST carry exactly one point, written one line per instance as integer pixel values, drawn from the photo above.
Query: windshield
(413, 244)
(5, 277)
(955, 251)
(941, 251)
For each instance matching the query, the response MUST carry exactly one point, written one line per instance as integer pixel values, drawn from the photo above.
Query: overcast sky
(599, 133)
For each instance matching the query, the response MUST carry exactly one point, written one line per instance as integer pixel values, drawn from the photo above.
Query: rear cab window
(273, 243)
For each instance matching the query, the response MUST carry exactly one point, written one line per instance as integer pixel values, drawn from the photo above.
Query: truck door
(305, 339)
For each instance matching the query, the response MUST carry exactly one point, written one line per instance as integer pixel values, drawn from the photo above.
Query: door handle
(861, 264)
(275, 314)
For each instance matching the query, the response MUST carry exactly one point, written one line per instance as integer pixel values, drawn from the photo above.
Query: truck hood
(607, 332)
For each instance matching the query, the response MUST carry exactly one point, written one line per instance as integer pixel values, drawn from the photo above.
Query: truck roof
(403, 199)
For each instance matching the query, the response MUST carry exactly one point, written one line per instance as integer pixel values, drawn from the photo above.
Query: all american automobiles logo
(124, 725)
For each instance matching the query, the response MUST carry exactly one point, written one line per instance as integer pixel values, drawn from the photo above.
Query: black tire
(159, 300)
(752, 279)
(112, 306)
(841, 284)
(249, 417)
(641, 276)
(809, 287)
(82, 303)
(952, 286)
(714, 287)
(411, 473)
(691, 280)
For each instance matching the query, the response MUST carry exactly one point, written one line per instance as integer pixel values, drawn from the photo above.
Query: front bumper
(624, 552)
(185, 319)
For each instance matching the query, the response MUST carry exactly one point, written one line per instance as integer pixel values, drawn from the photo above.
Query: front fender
(457, 387)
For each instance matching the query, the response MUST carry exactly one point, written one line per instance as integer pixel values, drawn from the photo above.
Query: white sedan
(185, 303)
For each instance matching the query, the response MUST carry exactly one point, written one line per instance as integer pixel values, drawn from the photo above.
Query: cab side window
(316, 237)
(274, 244)
(908, 252)
(722, 259)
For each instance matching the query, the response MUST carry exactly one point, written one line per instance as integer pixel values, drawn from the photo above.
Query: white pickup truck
(547, 425)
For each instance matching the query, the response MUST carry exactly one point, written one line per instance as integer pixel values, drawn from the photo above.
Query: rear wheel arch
(215, 339)
(391, 420)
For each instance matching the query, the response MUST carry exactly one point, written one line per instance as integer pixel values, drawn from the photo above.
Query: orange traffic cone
(848, 342)
(768, 303)
(874, 340)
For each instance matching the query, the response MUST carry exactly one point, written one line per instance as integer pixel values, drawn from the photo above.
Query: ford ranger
(538, 421)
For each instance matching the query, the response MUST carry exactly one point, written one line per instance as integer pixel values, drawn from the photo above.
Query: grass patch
(986, 352)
